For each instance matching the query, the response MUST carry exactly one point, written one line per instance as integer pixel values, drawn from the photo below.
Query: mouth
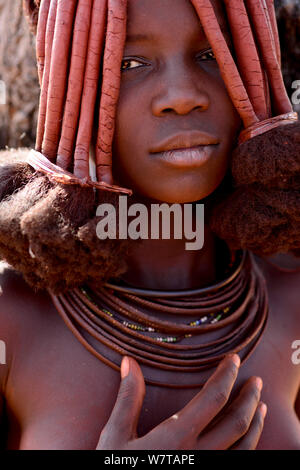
(190, 157)
(190, 149)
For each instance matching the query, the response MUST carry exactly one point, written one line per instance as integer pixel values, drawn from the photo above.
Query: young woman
(75, 308)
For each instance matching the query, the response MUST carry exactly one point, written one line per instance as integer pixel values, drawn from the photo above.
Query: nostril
(181, 111)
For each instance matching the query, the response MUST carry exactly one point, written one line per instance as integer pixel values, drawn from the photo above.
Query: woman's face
(175, 125)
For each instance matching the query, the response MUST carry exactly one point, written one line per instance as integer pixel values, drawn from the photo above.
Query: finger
(250, 440)
(125, 415)
(237, 420)
(196, 415)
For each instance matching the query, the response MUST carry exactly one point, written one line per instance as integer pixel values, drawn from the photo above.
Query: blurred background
(18, 77)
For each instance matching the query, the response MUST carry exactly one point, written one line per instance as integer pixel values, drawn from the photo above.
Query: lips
(184, 141)
(186, 150)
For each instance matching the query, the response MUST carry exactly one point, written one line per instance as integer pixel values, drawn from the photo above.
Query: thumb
(126, 412)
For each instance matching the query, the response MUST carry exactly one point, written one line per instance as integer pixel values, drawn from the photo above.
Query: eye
(128, 64)
(207, 55)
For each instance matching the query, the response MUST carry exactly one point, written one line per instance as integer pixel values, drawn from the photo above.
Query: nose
(182, 92)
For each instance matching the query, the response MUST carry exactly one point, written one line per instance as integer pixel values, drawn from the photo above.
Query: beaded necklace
(206, 319)
(114, 320)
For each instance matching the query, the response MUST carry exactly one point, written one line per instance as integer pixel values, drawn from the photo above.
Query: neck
(168, 265)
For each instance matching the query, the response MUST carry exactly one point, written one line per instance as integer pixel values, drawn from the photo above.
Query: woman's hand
(239, 428)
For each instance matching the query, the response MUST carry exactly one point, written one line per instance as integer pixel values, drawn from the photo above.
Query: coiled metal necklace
(227, 317)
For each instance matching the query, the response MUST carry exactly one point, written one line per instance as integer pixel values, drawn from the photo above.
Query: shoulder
(14, 296)
(19, 303)
(283, 283)
(13, 289)
(8, 295)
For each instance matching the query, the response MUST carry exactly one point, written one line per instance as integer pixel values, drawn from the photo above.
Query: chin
(184, 191)
(173, 197)
(174, 188)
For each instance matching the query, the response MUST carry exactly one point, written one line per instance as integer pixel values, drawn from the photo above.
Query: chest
(59, 396)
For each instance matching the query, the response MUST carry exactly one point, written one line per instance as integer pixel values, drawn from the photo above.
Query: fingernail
(124, 367)
(236, 359)
(259, 383)
(263, 409)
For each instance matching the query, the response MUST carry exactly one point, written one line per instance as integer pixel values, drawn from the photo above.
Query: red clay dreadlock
(262, 213)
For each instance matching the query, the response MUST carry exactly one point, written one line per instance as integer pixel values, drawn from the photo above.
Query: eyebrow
(142, 37)
(139, 37)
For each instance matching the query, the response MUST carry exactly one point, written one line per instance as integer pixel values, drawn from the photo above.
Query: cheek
(128, 121)
(133, 129)
(129, 142)
(228, 120)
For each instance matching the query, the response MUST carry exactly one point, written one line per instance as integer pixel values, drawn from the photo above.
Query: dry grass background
(18, 71)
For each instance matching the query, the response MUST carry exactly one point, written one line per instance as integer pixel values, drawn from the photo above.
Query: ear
(31, 11)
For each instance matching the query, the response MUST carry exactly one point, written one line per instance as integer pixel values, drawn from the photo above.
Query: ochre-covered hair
(79, 52)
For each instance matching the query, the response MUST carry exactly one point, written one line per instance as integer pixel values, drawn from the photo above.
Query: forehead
(160, 16)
